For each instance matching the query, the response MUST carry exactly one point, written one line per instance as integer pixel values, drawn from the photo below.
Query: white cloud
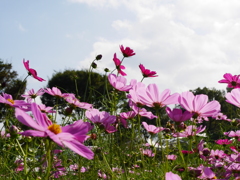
(190, 43)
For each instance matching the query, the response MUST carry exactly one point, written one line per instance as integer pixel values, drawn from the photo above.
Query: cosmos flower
(71, 136)
(119, 82)
(8, 100)
(199, 105)
(172, 176)
(147, 72)
(31, 72)
(177, 115)
(119, 65)
(31, 94)
(233, 97)
(232, 81)
(152, 129)
(127, 52)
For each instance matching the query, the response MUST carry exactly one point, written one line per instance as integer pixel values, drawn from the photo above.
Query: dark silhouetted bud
(98, 57)
(94, 65)
(106, 70)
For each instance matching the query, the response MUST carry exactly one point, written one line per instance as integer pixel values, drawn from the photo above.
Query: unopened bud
(94, 65)
(106, 70)
(98, 57)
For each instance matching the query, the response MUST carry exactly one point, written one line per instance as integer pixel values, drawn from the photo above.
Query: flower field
(127, 138)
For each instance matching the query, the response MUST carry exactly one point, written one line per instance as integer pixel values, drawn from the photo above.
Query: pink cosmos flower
(191, 130)
(7, 99)
(118, 65)
(45, 109)
(31, 72)
(221, 116)
(102, 118)
(177, 115)
(32, 95)
(171, 157)
(142, 111)
(232, 81)
(127, 52)
(148, 152)
(147, 72)
(152, 129)
(172, 176)
(119, 82)
(199, 104)
(74, 102)
(54, 92)
(233, 134)
(223, 141)
(233, 97)
(151, 97)
(71, 136)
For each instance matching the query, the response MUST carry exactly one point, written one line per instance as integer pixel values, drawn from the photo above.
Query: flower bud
(94, 65)
(106, 70)
(98, 57)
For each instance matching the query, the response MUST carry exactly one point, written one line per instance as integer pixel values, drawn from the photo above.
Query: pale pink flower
(71, 136)
(31, 72)
(102, 119)
(177, 115)
(7, 99)
(152, 129)
(172, 176)
(199, 105)
(148, 152)
(127, 52)
(191, 130)
(171, 157)
(233, 97)
(45, 109)
(233, 134)
(119, 82)
(152, 98)
(31, 94)
(54, 92)
(232, 81)
(146, 72)
(74, 102)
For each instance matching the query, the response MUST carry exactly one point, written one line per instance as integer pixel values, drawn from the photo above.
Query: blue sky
(190, 43)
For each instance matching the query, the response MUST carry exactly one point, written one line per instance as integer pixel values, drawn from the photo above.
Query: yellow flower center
(55, 128)
(11, 101)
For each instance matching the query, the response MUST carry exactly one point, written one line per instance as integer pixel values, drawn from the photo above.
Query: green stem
(49, 158)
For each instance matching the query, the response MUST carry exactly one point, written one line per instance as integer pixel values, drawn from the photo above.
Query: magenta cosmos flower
(199, 105)
(232, 81)
(127, 52)
(71, 136)
(172, 176)
(119, 82)
(147, 72)
(177, 115)
(31, 72)
(119, 65)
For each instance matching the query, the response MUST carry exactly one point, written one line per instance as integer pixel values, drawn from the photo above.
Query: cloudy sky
(190, 43)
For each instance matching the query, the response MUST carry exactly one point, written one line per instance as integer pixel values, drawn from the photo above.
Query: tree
(88, 87)
(10, 84)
